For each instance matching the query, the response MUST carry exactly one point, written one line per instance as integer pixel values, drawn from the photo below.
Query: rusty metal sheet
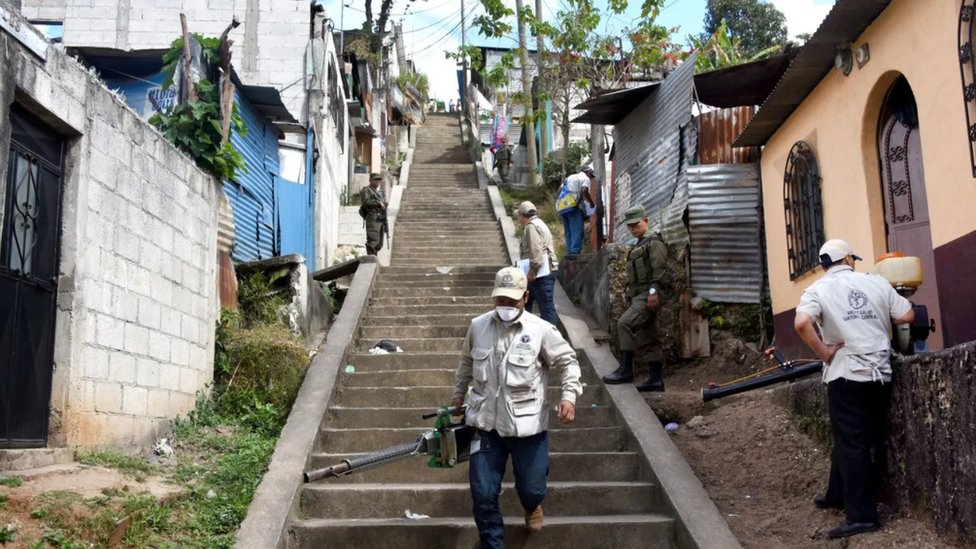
(654, 144)
(724, 221)
(716, 132)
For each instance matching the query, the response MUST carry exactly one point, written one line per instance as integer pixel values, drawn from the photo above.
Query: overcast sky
(432, 26)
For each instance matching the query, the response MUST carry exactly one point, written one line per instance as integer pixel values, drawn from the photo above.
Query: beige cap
(510, 282)
(835, 250)
(527, 209)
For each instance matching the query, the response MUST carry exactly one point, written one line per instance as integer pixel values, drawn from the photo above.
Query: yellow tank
(900, 270)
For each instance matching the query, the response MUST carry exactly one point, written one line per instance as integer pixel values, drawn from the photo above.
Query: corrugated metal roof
(653, 145)
(716, 131)
(846, 21)
(724, 219)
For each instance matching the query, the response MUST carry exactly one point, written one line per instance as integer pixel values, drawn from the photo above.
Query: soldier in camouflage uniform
(503, 160)
(646, 263)
(374, 203)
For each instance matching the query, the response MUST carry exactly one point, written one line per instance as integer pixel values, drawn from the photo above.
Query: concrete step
(434, 305)
(385, 310)
(599, 466)
(364, 362)
(489, 257)
(419, 344)
(398, 333)
(648, 531)
(387, 277)
(426, 377)
(432, 397)
(421, 320)
(456, 271)
(385, 500)
(393, 418)
(438, 282)
(446, 290)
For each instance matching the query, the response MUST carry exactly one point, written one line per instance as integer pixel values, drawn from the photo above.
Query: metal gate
(29, 257)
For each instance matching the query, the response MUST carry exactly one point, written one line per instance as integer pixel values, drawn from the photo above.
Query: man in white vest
(537, 247)
(854, 312)
(506, 358)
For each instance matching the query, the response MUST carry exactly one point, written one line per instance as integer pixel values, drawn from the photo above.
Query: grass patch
(11, 481)
(129, 465)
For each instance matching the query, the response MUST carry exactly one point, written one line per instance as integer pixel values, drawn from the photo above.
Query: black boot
(656, 381)
(625, 373)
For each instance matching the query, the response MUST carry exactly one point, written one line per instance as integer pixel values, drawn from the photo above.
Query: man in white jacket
(505, 359)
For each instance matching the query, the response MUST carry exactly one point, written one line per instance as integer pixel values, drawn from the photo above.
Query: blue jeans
(573, 227)
(540, 292)
(530, 464)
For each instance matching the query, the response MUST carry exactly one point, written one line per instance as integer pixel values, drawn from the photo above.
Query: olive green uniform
(646, 263)
(503, 161)
(374, 201)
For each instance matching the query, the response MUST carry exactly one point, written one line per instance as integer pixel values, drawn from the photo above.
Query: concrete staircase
(448, 247)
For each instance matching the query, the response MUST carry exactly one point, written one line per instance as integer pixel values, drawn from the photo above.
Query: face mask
(507, 314)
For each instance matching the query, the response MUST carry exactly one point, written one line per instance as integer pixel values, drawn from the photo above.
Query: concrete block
(117, 429)
(158, 404)
(96, 363)
(108, 397)
(171, 321)
(126, 306)
(147, 372)
(180, 352)
(122, 367)
(110, 332)
(159, 346)
(149, 313)
(150, 256)
(162, 230)
(136, 339)
(101, 167)
(128, 243)
(169, 377)
(190, 328)
(139, 280)
(188, 380)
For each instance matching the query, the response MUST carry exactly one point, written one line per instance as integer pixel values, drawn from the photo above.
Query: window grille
(804, 209)
(967, 68)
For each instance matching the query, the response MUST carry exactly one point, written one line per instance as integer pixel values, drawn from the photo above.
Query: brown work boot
(533, 519)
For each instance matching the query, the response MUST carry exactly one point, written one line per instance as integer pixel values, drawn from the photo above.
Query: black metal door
(29, 257)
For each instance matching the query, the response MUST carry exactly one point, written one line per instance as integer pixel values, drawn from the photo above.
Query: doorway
(29, 263)
(903, 188)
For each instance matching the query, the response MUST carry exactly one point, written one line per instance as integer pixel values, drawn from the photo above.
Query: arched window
(967, 67)
(804, 209)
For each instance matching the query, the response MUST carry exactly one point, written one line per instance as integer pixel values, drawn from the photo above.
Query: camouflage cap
(634, 214)
(375, 175)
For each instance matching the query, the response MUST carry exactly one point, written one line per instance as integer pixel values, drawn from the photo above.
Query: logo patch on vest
(525, 338)
(857, 299)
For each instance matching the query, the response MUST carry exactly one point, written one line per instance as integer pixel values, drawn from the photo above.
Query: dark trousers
(859, 421)
(530, 465)
(540, 293)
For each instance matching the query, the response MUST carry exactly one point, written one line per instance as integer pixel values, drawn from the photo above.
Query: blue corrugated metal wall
(252, 196)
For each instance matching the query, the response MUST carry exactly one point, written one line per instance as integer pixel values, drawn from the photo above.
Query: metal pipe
(786, 373)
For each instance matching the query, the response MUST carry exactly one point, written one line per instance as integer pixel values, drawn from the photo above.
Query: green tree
(722, 50)
(756, 24)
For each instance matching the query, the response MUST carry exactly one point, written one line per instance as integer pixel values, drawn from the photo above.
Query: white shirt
(577, 182)
(855, 309)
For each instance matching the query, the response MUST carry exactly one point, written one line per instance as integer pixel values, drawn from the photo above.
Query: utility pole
(527, 123)
(541, 45)
(464, 62)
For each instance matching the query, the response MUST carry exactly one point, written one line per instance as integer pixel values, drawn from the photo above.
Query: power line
(446, 18)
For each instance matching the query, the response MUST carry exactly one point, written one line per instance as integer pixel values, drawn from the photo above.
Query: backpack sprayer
(447, 444)
(905, 275)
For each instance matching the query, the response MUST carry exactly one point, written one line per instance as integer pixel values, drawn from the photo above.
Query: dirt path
(762, 471)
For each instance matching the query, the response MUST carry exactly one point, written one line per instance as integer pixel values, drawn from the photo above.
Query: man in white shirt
(854, 312)
(536, 245)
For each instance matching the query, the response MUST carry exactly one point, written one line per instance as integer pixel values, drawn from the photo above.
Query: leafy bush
(552, 164)
(261, 297)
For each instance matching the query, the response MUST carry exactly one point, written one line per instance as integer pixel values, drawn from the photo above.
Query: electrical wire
(444, 19)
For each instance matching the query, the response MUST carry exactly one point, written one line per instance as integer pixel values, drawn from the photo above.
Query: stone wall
(136, 290)
(932, 458)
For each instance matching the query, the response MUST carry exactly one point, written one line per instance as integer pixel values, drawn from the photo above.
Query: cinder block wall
(137, 297)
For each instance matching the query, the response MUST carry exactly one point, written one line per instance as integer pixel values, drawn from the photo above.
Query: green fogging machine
(905, 275)
(447, 444)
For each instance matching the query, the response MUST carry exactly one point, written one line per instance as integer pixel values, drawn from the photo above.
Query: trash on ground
(384, 347)
(350, 369)
(162, 447)
(415, 516)
(671, 427)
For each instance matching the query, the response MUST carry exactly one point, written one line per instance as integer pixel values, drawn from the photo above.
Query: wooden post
(227, 86)
(191, 92)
